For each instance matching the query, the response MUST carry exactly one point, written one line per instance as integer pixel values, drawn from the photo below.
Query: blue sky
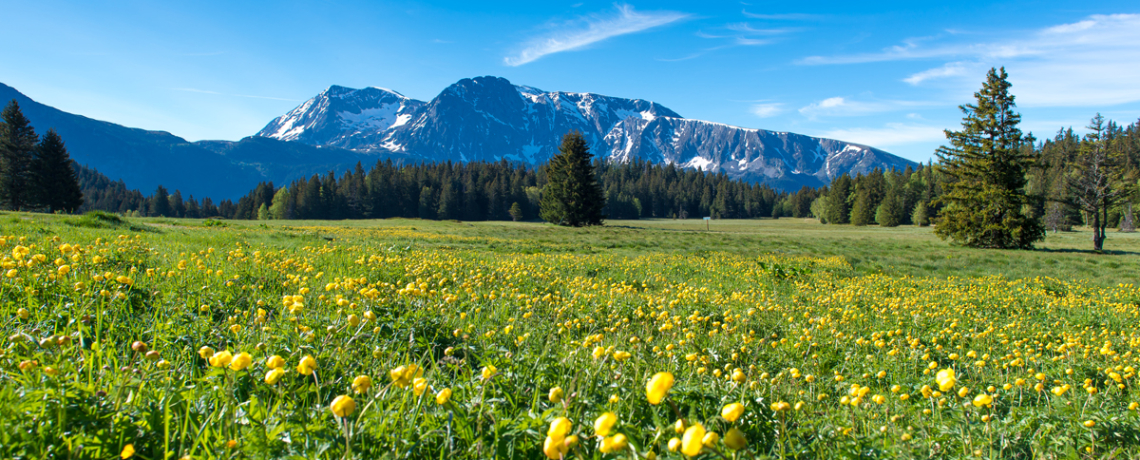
(887, 74)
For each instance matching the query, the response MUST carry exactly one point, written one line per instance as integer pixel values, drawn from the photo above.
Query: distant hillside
(146, 159)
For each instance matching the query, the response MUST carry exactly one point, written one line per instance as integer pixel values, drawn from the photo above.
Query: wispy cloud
(766, 110)
(748, 29)
(950, 69)
(784, 17)
(890, 135)
(1091, 62)
(844, 107)
(202, 91)
(590, 29)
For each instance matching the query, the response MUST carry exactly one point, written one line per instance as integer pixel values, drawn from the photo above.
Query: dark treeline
(461, 191)
(501, 191)
(891, 198)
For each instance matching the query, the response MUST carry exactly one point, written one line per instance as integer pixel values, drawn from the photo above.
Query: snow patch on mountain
(488, 118)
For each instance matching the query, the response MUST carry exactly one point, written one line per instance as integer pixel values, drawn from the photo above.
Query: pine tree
(159, 203)
(837, 207)
(516, 212)
(55, 183)
(890, 211)
(572, 195)
(920, 217)
(17, 146)
(987, 166)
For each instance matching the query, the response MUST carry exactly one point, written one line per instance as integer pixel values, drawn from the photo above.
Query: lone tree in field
(17, 151)
(572, 195)
(1096, 183)
(985, 199)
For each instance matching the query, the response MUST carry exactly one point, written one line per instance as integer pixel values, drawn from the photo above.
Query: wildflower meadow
(401, 339)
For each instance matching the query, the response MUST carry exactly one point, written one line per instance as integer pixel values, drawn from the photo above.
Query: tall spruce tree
(56, 184)
(572, 195)
(17, 151)
(985, 196)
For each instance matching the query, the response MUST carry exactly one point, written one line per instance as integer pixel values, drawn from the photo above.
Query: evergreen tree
(987, 168)
(278, 209)
(516, 212)
(890, 211)
(863, 212)
(572, 195)
(920, 217)
(17, 151)
(56, 184)
(159, 203)
(837, 206)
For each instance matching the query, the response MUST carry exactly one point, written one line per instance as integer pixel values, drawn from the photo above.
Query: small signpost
(707, 219)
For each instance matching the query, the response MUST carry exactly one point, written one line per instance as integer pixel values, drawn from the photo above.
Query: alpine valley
(479, 119)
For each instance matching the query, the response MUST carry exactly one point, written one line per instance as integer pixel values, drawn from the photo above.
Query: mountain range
(478, 119)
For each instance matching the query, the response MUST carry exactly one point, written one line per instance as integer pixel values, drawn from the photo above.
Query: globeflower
(615, 443)
(443, 396)
(735, 439)
(732, 412)
(402, 376)
(361, 384)
(206, 352)
(710, 439)
(946, 379)
(489, 371)
(221, 359)
(605, 424)
(691, 441)
(658, 387)
(274, 375)
(241, 361)
(982, 400)
(554, 449)
(275, 362)
(419, 386)
(559, 428)
(307, 365)
(556, 395)
(343, 406)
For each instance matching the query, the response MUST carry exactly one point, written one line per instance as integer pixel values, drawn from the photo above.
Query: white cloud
(751, 41)
(747, 29)
(591, 29)
(784, 17)
(951, 69)
(1092, 62)
(891, 135)
(843, 107)
(766, 110)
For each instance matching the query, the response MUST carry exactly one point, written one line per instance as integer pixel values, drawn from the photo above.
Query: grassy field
(164, 338)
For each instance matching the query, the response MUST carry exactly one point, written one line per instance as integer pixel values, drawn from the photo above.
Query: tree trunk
(1098, 231)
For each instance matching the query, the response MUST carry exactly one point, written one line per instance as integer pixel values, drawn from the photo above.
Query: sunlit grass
(417, 339)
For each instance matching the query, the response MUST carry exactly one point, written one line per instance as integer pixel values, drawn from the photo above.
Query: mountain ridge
(489, 119)
(474, 119)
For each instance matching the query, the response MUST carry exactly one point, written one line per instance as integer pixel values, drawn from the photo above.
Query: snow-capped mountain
(489, 119)
(339, 114)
